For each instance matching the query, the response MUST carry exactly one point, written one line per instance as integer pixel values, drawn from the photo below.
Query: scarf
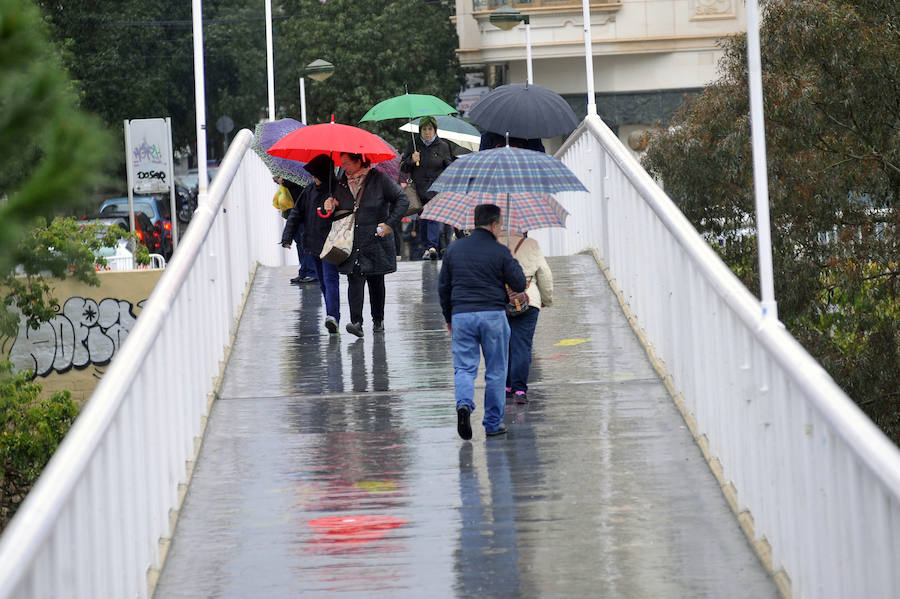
(426, 142)
(355, 181)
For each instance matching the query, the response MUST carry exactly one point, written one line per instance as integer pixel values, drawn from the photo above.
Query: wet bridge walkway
(331, 466)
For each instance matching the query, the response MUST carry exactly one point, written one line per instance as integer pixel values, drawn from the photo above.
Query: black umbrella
(523, 110)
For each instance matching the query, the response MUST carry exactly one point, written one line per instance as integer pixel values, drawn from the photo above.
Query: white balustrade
(92, 525)
(820, 480)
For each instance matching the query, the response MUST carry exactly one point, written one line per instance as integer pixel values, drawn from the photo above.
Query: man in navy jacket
(472, 289)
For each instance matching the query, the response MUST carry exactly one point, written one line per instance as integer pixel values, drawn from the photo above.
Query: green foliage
(31, 428)
(133, 59)
(53, 151)
(129, 59)
(64, 248)
(379, 49)
(831, 78)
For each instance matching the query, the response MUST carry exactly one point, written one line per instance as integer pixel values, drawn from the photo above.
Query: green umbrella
(408, 106)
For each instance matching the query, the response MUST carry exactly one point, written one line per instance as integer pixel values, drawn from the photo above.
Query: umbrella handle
(413, 136)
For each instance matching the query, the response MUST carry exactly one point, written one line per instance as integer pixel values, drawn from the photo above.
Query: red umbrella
(331, 138)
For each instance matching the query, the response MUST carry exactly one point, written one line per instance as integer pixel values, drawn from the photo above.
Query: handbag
(339, 243)
(282, 199)
(415, 204)
(517, 301)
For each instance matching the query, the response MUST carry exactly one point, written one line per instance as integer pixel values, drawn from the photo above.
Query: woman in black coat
(316, 228)
(424, 163)
(382, 205)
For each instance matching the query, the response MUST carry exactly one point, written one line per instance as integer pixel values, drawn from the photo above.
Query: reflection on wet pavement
(331, 464)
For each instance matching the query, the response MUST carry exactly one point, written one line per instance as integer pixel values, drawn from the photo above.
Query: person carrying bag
(339, 243)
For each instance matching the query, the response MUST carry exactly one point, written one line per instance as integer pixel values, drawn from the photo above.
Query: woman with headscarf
(424, 162)
(380, 205)
(307, 210)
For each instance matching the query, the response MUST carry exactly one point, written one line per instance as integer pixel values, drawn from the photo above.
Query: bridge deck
(597, 490)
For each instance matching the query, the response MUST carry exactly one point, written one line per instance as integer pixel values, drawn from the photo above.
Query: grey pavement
(331, 466)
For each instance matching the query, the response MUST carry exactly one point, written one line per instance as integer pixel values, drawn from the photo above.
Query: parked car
(153, 220)
(191, 178)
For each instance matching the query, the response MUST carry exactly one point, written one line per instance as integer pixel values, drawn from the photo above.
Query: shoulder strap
(521, 241)
(362, 190)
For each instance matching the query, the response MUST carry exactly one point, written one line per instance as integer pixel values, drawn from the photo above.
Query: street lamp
(506, 18)
(320, 70)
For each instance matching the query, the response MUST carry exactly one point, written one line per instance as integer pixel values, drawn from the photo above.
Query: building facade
(647, 54)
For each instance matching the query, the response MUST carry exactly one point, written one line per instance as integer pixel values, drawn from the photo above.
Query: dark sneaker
(521, 397)
(433, 254)
(355, 328)
(331, 324)
(297, 280)
(378, 326)
(463, 426)
(501, 430)
(308, 280)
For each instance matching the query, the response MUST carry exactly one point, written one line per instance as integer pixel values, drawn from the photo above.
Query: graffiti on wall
(85, 333)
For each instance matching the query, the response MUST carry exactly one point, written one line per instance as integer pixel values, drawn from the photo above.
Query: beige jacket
(534, 265)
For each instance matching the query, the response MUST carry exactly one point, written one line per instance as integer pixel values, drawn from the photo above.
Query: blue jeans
(330, 284)
(307, 261)
(431, 231)
(521, 335)
(489, 332)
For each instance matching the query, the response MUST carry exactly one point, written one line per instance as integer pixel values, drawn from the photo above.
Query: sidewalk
(332, 466)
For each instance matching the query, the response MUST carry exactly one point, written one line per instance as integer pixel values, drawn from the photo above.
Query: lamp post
(760, 178)
(320, 70)
(506, 18)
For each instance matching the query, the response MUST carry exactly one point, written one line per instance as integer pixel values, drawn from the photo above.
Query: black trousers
(356, 283)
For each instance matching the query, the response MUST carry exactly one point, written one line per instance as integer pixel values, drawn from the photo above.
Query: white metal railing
(820, 480)
(92, 525)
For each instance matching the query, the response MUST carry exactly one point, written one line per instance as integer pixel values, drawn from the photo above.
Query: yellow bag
(283, 199)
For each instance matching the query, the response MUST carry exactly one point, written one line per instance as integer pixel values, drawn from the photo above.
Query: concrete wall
(72, 351)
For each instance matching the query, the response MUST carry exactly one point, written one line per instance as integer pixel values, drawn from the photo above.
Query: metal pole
(170, 178)
(270, 69)
(760, 177)
(200, 102)
(588, 57)
(129, 176)
(302, 101)
(528, 50)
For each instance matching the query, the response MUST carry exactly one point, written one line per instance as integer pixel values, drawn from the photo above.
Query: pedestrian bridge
(676, 443)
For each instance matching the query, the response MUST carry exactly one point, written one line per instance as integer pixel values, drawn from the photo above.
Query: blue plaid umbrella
(507, 170)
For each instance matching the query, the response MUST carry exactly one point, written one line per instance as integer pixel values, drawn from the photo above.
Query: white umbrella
(466, 140)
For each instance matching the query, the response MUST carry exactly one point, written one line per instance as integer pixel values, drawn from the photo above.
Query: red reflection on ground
(341, 532)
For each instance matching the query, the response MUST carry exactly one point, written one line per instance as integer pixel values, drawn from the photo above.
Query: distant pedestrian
(307, 271)
(381, 206)
(306, 215)
(425, 162)
(491, 140)
(539, 288)
(472, 290)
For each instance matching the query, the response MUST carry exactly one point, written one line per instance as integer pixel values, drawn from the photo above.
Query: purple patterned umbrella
(265, 136)
(524, 211)
(391, 167)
